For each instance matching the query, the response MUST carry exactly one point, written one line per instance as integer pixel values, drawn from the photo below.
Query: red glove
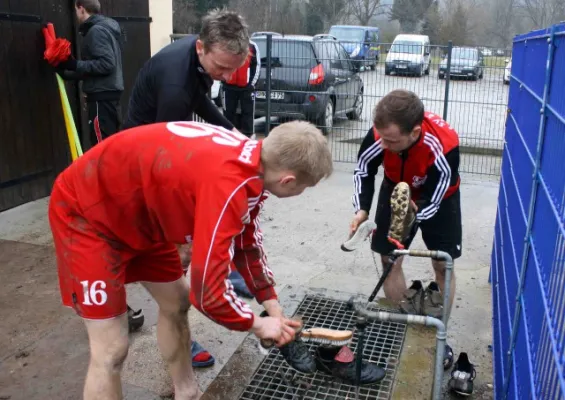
(56, 50)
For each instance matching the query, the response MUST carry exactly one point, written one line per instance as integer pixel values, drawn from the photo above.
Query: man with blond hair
(117, 213)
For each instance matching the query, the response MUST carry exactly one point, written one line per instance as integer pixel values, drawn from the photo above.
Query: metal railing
(472, 97)
(528, 257)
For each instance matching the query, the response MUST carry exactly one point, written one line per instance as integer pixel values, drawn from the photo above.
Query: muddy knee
(385, 260)
(112, 356)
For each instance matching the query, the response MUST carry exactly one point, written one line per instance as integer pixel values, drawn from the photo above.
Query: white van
(409, 54)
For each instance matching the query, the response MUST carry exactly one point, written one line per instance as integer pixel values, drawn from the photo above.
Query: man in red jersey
(117, 213)
(421, 149)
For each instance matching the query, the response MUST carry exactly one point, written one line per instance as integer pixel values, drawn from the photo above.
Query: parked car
(263, 33)
(507, 70)
(409, 54)
(360, 42)
(312, 77)
(466, 62)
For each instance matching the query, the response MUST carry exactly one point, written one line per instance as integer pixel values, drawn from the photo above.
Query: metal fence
(301, 75)
(304, 77)
(528, 257)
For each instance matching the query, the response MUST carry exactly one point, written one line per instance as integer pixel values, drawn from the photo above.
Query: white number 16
(93, 295)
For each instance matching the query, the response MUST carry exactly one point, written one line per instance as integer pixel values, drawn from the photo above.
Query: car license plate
(401, 66)
(274, 95)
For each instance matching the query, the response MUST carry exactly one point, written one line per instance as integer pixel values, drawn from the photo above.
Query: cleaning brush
(323, 336)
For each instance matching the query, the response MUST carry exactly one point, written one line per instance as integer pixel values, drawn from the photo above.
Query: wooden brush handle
(324, 333)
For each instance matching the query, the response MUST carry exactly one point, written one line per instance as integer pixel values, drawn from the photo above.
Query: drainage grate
(275, 380)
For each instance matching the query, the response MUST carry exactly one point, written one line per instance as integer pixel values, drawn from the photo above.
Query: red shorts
(94, 269)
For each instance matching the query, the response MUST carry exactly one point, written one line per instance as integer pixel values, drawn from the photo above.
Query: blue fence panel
(528, 255)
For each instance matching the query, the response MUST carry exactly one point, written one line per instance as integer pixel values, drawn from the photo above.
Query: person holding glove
(100, 70)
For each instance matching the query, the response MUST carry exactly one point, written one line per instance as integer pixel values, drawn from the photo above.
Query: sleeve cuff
(268, 293)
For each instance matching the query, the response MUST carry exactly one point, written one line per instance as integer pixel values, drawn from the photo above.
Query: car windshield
(347, 34)
(406, 46)
(287, 53)
(465, 54)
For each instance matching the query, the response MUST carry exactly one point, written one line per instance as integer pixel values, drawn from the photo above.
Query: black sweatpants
(243, 122)
(104, 119)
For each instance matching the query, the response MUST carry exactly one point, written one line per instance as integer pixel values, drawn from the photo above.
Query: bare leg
(395, 284)
(108, 350)
(173, 335)
(439, 268)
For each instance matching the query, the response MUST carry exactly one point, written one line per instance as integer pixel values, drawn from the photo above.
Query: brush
(322, 336)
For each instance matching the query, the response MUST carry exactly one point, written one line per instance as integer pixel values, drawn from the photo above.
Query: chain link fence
(322, 79)
(336, 85)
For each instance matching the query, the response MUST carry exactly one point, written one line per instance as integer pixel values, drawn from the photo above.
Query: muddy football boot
(340, 363)
(433, 301)
(402, 215)
(413, 299)
(135, 319)
(364, 230)
(298, 356)
(462, 376)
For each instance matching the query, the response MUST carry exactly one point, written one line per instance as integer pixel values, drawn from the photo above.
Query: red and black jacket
(430, 166)
(246, 76)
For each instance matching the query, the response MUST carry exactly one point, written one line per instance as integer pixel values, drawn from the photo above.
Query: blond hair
(299, 147)
(226, 29)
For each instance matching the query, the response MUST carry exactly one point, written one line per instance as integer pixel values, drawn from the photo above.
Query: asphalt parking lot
(476, 110)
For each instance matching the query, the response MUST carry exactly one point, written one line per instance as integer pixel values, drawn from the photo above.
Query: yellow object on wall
(74, 142)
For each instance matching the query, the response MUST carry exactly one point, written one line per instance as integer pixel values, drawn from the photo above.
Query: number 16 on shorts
(94, 293)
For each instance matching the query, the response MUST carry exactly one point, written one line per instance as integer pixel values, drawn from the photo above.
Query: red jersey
(430, 166)
(181, 182)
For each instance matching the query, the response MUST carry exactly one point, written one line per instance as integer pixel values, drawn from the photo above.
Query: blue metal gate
(528, 257)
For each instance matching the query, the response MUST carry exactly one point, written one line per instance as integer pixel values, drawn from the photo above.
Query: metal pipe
(441, 337)
(447, 80)
(440, 256)
(268, 72)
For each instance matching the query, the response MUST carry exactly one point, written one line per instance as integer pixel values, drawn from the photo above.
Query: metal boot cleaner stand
(363, 315)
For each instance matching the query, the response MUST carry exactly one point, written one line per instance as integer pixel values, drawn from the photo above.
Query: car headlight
(356, 51)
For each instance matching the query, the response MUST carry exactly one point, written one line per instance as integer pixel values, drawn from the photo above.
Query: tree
(364, 10)
(456, 28)
(545, 12)
(328, 12)
(409, 14)
(432, 23)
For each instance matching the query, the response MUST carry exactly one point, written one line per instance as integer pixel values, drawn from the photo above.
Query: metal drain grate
(275, 380)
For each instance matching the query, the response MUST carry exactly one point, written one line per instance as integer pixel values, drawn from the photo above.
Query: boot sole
(399, 206)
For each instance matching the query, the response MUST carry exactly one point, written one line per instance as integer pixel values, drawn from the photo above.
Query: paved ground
(44, 351)
(476, 109)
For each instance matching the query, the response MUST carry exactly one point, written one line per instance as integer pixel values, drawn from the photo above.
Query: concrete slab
(302, 237)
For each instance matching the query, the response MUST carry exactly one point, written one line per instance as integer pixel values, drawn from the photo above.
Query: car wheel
(358, 110)
(387, 71)
(440, 75)
(481, 75)
(326, 120)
